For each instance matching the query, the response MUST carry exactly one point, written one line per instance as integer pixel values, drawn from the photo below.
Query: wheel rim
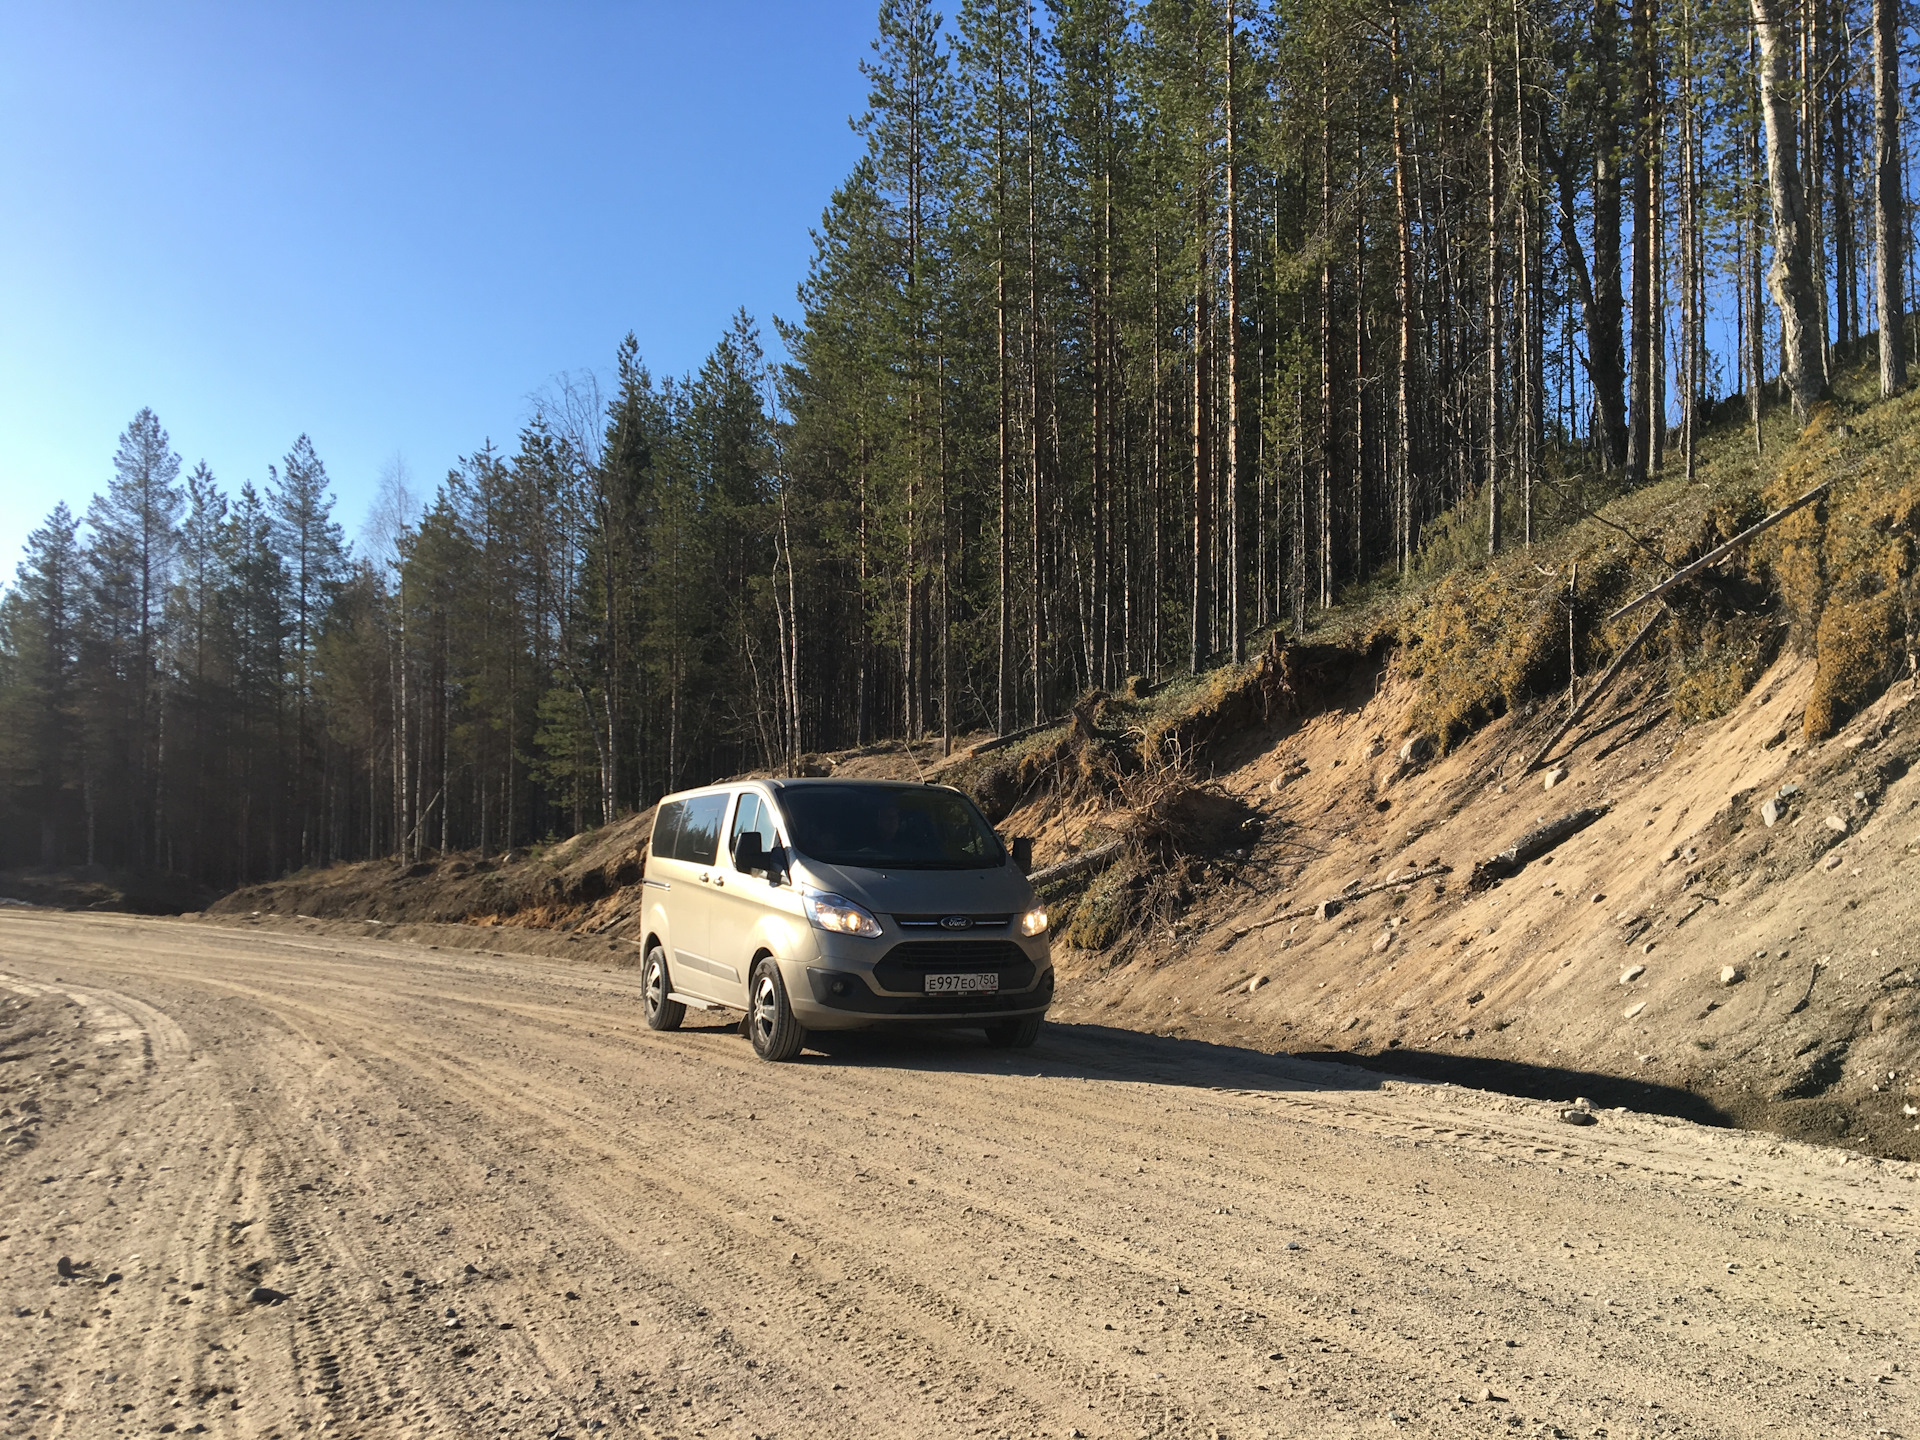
(656, 985)
(766, 1009)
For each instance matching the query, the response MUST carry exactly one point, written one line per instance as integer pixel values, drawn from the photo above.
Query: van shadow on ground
(1099, 1052)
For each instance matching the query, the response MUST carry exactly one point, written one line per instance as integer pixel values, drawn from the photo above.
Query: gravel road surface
(260, 1183)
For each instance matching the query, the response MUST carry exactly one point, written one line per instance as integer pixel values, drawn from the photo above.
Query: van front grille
(932, 922)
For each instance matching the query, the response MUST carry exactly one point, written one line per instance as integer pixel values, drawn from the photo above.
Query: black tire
(771, 1026)
(656, 986)
(1014, 1034)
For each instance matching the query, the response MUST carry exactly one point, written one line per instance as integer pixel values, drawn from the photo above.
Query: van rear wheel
(1014, 1034)
(662, 1012)
(771, 1025)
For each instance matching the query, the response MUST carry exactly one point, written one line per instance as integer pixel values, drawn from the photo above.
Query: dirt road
(498, 1205)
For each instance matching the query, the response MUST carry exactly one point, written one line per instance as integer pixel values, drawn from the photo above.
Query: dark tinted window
(666, 828)
(699, 838)
(904, 827)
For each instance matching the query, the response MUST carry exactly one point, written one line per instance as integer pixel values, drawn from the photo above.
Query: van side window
(666, 829)
(699, 839)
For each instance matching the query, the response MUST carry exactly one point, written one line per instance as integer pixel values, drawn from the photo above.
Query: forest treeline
(1136, 329)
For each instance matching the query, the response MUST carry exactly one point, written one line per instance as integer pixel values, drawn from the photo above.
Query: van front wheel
(662, 1012)
(1014, 1034)
(771, 1025)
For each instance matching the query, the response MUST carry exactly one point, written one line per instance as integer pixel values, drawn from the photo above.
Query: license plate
(976, 984)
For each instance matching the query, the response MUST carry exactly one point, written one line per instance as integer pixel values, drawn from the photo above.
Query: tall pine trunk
(1403, 296)
(1232, 555)
(1889, 236)
(1790, 277)
(1641, 399)
(1492, 300)
(1606, 357)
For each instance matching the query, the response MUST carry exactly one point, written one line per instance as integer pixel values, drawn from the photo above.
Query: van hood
(1003, 890)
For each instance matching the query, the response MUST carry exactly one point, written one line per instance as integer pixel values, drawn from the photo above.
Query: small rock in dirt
(1386, 939)
(1632, 973)
(1465, 1032)
(1837, 824)
(267, 1295)
(1416, 748)
(1552, 778)
(1327, 909)
(1255, 983)
(1578, 1117)
(1293, 1244)
(1832, 862)
(1731, 974)
(1633, 1009)
(65, 1267)
(1491, 1398)
(1770, 813)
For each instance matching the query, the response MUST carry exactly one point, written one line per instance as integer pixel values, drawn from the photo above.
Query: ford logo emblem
(956, 922)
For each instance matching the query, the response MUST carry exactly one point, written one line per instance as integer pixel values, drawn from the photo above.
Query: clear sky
(386, 225)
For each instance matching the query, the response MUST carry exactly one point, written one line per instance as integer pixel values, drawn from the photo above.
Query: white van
(836, 905)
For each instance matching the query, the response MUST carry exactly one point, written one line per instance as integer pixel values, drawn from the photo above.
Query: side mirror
(1022, 848)
(748, 856)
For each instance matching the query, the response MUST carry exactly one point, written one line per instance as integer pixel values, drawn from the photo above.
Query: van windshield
(896, 827)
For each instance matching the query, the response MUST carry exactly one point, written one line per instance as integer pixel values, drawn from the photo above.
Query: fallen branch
(1598, 689)
(1687, 572)
(1531, 846)
(997, 741)
(1079, 865)
(1344, 898)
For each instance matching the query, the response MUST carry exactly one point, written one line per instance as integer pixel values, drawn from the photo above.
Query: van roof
(800, 780)
(796, 782)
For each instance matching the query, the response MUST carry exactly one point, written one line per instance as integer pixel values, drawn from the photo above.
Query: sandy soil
(496, 1204)
(1599, 968)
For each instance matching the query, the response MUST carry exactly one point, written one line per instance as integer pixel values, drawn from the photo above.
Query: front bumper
(836, 999)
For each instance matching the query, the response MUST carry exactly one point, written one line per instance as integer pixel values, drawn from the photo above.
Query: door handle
(703, 878)
(720, 880)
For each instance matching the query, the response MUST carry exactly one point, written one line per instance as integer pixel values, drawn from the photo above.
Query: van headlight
(1034, 921)
(841, 916)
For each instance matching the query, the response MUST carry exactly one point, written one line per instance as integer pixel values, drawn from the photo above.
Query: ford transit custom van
(837, 905)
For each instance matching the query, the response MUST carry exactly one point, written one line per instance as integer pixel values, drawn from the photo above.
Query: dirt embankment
(1729, 938)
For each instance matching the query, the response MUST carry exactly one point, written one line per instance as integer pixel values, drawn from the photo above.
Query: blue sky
(385, 225)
